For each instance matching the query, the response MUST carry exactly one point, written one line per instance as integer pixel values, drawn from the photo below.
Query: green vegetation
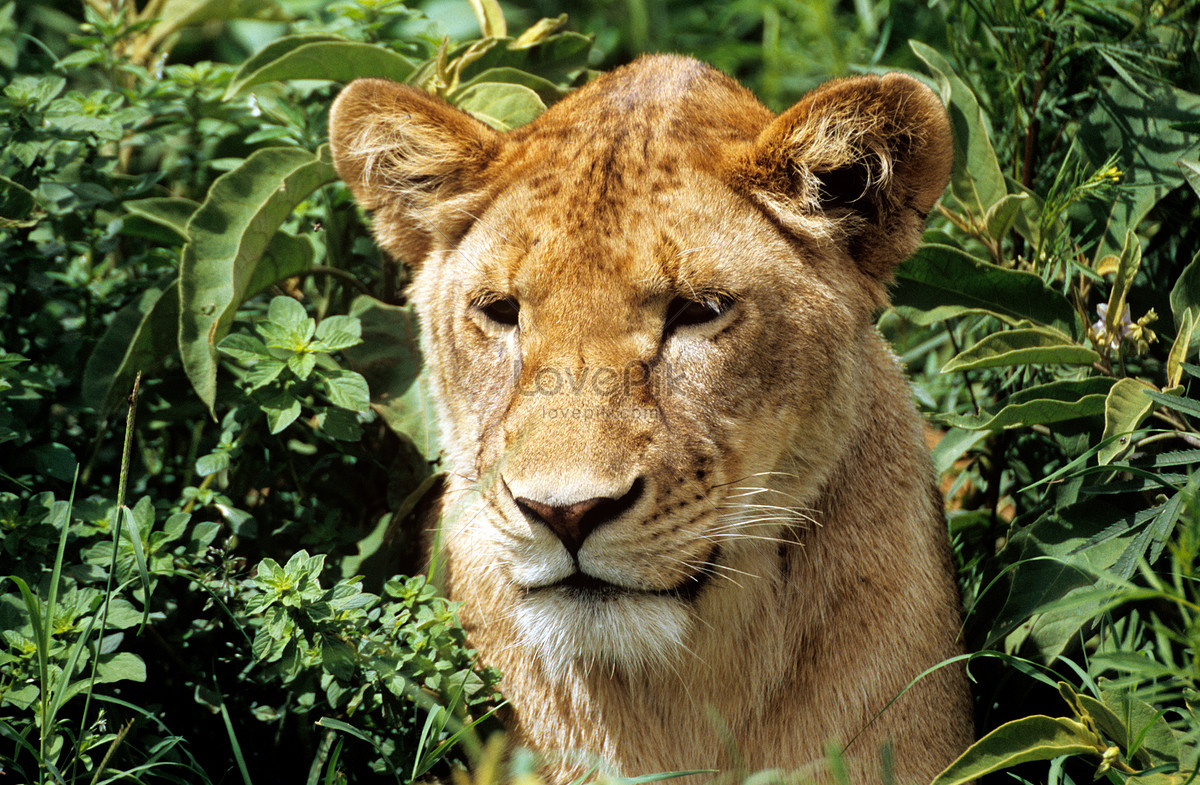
(204, 516)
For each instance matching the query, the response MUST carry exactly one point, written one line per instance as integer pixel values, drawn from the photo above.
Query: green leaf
(1028, 739)
(263, 373)
(1124, 409)
(1185, 294)
(319, 57)
(121, 666)
(17, 205)
(140, 337)
(941, 281)
(1145, 727)
(173, 213)
(546, 90)
(348, 390)
(1148, 145)
(1047, 403)
(244, 348)
(977, 181)
(1181, 346)
(1022, 347)
(227, 258)
(212, 463)
(500, 105)
(302, 364)
(335, 333)
(293, 320)
(282, 408)
(1186, 405)
(1001, 215)
(390, 359)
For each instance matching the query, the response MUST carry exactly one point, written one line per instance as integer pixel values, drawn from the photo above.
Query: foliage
(149, 197)
(178, 256)
(1054, 310)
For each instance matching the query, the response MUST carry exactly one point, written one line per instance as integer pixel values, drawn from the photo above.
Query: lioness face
(641, 312)
(631, 395)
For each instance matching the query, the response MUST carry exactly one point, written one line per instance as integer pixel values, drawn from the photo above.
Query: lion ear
(413, 160)
(859, 162)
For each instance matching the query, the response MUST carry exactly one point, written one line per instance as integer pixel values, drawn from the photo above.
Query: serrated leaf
(1022, 347)
(1124, 409)
(1047, 403)
(335, 333)
(1186, 405)
(500, 105)
(287, 314)
(263, 373)
(302, 364)
(229, 236)
(244, 348)
(1028, 739)
(320, 57)
(348, 390)
(140, 338)
(941, 281)
(281, 408)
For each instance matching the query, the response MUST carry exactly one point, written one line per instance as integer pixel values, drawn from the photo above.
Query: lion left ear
(858, 162)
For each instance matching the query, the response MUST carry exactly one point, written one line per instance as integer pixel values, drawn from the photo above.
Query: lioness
(690, 514)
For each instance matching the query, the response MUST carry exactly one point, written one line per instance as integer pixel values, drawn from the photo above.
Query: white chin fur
(629, 631)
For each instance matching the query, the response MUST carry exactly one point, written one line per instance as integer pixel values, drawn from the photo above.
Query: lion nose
(574, 522)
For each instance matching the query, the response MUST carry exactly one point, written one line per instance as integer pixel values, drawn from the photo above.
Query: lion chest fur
(688, 511)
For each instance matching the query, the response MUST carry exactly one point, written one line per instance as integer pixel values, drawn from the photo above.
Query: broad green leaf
(1028, 739)
(1144, 725)
(941, 281)
(212, 463)
(171, 212)
(390, 359)
(302, 364)
(282, 408)
(1148, 142)
(293, 320)
(1001, 215)
(546, 90)
(264, 372)
(244, 348)
(227, 259)
(1124, 409)
(139, 338)
(335, 333)
(1185, 294)
(1047, 403)
(320, 57)
(1188, 324)
(1191, 173)
(1022, 347)
(502, 106)
(977, 181)
(348, 390)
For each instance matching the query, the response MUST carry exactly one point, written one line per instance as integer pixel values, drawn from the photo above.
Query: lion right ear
(413, 160)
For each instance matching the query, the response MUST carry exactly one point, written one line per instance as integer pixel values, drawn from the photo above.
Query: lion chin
(589, 624)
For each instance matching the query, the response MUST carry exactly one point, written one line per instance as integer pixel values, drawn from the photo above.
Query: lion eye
(684, 312)
(503, 311)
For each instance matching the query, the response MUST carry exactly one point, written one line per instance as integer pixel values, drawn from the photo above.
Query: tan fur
(776, 560)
